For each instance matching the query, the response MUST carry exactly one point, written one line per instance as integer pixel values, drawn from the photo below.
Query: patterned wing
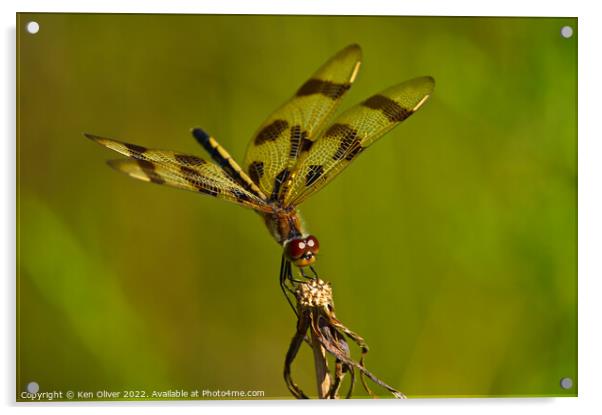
(291, 130)
(352, 132)
(183, 171)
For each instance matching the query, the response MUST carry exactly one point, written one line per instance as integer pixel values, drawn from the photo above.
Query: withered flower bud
(327, 337)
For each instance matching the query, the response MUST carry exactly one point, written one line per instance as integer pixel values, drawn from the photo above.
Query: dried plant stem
(321, 364)
(315, 313)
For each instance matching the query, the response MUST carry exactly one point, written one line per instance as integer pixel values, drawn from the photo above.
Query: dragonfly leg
(303, 274)
(285, 275)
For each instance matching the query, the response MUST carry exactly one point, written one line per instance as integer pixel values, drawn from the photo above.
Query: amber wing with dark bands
(291, 130)
(352, 132)
(183, 171)
(226, 162)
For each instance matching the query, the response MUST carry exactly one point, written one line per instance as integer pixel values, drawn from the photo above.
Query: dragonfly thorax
(286, 227)
(284, 224)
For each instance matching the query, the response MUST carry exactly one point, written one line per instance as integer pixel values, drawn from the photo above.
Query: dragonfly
(295, 152)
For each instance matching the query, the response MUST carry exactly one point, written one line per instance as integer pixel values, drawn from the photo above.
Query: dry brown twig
(327, 337)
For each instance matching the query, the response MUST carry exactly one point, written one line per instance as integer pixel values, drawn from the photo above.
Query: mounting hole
(33, 387)
(566, 32)
(32, 27)
(566, 383)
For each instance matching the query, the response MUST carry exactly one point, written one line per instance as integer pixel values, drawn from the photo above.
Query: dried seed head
(328, 337)
(315, 293)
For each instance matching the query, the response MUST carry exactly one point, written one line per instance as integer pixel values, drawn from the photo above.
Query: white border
(590, 190)
(337, 7)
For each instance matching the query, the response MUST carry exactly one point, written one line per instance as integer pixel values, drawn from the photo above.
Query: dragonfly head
(302, 251)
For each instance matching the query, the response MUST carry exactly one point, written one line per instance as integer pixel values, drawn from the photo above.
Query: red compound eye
(296, 248)
(312, 244)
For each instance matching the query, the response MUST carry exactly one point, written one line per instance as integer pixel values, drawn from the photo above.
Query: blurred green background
(451, 244)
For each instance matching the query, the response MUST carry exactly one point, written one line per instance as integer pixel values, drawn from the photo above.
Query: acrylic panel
(449, 248)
